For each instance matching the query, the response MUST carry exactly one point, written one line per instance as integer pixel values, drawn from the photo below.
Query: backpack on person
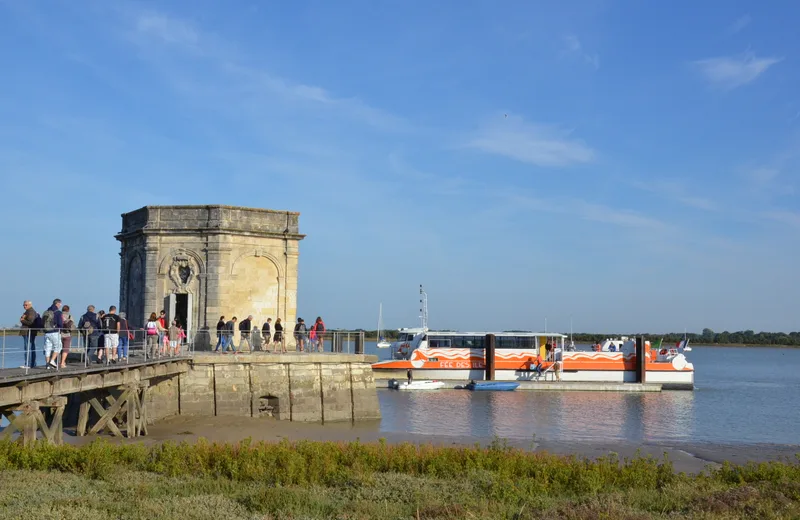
(302, 328)
(152, 328)
(37, 323)
(48, 320)
(86, 325)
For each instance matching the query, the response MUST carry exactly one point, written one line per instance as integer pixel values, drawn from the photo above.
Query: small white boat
(421, 385)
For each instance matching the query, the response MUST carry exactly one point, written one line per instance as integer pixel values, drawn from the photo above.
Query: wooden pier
(111, 398)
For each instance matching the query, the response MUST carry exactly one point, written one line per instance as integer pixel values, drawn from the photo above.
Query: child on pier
(174, 338)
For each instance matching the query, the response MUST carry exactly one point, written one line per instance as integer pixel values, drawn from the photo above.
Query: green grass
(362, 481)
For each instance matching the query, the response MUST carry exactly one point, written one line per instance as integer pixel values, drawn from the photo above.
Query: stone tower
(202, 262)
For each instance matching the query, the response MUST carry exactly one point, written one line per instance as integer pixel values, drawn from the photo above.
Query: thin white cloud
(729, 72)
(790, 218)
(168, 29)
(510, 136)
(677, 191)
(591, 211)
(573, 46)
(740, 23)
(158, 33)
(762, 175)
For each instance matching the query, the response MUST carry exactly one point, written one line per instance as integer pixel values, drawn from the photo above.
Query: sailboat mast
(380, 320)
(423, 308)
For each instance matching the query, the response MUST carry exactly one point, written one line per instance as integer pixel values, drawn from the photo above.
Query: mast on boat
(423, 300)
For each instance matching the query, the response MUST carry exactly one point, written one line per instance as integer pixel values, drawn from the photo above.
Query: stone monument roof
(206, 219)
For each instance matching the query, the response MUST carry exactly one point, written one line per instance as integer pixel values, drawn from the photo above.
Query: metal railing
(29, 348)
(338, 341)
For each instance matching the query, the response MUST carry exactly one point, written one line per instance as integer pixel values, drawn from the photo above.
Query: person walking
(52, 322)
(220, 332)
(244, 334)
(89, 326)
(174, 338)
(300, 334)
(319, 331)
(278, 338)
(125, 334)
(66, 334)
(162, 330)
(111, 327)
(151, 333)
(266, 334)
(230, 326)
(28, 332)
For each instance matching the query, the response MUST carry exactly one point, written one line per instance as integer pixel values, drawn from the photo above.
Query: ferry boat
(460, 356)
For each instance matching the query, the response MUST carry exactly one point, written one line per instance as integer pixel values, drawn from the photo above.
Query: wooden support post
(83, 415)
(132, 414)
(30, 419)
(641, 361)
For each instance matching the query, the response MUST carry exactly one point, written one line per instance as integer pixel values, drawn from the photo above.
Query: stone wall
(308, 387)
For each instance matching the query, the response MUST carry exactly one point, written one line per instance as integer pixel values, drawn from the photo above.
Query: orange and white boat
(461, 356)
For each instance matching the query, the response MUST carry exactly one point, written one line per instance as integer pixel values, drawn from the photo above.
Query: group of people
(106, 334)
(162, 340)
(272, 336)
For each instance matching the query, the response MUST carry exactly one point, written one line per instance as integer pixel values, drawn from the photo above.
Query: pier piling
(489, 356)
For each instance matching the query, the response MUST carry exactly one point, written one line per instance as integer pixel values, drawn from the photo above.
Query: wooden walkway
(111, 397)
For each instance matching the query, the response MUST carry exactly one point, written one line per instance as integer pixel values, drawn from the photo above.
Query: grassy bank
(360, 481)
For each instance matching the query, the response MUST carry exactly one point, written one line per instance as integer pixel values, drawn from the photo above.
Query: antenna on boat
(423, 300)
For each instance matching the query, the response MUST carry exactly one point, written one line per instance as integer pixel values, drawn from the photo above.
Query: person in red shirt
(162, 330)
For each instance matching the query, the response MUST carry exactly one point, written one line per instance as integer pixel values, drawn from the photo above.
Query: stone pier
(295, 387)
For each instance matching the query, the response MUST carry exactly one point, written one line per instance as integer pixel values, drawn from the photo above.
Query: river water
(742, 396)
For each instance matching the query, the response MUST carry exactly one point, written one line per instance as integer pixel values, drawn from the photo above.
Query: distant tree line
(707, 337)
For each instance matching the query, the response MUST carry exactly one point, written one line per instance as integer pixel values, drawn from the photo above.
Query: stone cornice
(202, 232)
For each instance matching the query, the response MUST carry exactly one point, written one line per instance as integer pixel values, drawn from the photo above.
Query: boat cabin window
(518, 342)
(478, 342)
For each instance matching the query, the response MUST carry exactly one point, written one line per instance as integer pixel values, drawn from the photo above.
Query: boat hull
(421, 385)
(492, 386)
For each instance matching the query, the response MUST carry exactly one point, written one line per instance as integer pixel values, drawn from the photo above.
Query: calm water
(742, 396)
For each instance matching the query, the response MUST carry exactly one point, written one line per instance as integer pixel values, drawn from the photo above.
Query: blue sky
(632, 165)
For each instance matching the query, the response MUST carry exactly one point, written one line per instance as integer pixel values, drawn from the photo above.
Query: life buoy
(663, 352)
(404, 348)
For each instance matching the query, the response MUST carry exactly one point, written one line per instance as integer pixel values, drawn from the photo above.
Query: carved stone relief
(182, 272)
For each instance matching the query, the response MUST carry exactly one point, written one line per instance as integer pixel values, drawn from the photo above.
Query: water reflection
(589, 416)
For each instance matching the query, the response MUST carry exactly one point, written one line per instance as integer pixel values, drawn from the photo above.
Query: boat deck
(550, 385)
